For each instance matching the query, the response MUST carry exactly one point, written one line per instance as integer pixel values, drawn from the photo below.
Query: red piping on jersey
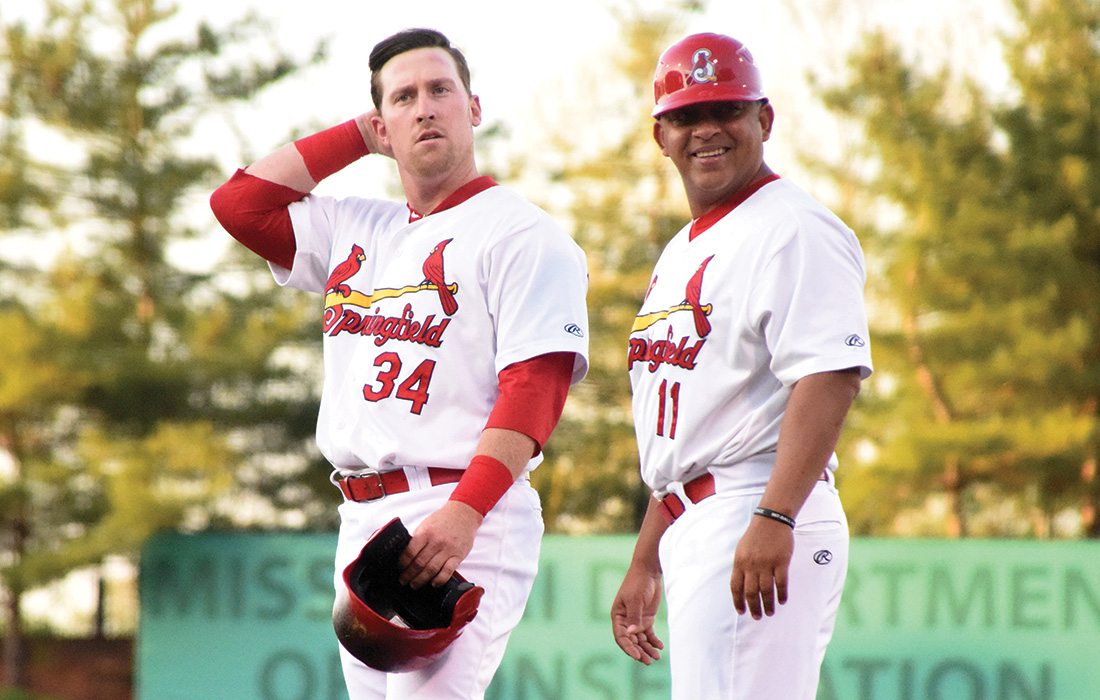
(715, 215)
(478, 184)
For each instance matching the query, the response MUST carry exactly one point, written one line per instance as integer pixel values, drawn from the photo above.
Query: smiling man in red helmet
(745, 358)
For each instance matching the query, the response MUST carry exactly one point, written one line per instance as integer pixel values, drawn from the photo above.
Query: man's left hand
(760, 565)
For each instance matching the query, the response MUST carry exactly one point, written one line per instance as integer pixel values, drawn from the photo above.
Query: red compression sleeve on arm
(532, 395)
(331, 150)
(254, 211)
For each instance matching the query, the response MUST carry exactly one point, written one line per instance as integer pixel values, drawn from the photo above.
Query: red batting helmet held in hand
(389, 626)
(705, 68)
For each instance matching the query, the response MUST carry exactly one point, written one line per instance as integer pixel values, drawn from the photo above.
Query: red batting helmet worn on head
(389, 626)
(705, 68)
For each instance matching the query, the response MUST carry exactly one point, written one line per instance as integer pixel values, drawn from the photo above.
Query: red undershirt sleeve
(532, 396)
(254, 211)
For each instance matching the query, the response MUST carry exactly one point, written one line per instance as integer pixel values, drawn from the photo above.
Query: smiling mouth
(710, 152)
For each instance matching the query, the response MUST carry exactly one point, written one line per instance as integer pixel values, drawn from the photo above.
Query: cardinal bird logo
(339, 295)
(692, 302)
(702, 68)
(433, 274)
(694, 289)
(345, 271)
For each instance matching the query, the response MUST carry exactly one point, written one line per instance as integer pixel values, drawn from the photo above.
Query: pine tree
(133, 392)
(986, 278)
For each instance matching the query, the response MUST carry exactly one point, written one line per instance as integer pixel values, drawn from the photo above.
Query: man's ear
(475, 110)
(659, 136)
(378, 126)
(767, 119)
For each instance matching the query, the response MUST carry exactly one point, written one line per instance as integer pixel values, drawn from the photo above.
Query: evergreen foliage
(135, 393)
(986, 280)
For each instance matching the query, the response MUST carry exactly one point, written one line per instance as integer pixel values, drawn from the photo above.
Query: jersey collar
(714, 215)
(478, 184)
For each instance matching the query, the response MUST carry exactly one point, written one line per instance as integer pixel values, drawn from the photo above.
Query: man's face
(718, 147)
(427, 117)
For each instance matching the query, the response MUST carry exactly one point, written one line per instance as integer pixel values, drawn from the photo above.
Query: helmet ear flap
(705, 68)
(392, 627)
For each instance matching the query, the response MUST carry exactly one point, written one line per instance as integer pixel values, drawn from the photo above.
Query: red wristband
(485, 481)
(331, 150)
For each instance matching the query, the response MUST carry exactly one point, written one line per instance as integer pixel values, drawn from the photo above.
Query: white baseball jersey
(770, 293)
(420, 317)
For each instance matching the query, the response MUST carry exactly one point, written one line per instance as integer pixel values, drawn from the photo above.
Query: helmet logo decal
(702, 68)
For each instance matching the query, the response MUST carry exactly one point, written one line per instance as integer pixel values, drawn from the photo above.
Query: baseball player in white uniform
(453, 326)
(744, 359)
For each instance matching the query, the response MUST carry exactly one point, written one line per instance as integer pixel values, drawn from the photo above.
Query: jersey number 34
(414, 389)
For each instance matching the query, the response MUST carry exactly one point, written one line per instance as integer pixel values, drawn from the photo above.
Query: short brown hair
(407, 40)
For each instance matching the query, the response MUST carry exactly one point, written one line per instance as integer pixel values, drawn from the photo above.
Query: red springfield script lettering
(656, 352)
(339, 320)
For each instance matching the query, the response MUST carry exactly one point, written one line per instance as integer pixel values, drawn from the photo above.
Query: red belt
(372, 485)
(672, 506)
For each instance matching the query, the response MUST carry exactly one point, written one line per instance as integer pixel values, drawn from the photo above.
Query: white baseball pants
(720, 655)
(504, 561)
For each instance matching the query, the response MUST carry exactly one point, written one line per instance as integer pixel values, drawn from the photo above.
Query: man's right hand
(439, 545)
(633, 613)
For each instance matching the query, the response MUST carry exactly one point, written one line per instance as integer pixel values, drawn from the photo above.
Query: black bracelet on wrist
(775, 515)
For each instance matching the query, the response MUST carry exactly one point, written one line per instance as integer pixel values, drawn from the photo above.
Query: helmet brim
(700, 94)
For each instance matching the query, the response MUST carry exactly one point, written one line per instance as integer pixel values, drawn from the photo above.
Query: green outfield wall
(243, 616)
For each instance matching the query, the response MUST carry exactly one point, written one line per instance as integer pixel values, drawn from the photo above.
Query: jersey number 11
(673, 398)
